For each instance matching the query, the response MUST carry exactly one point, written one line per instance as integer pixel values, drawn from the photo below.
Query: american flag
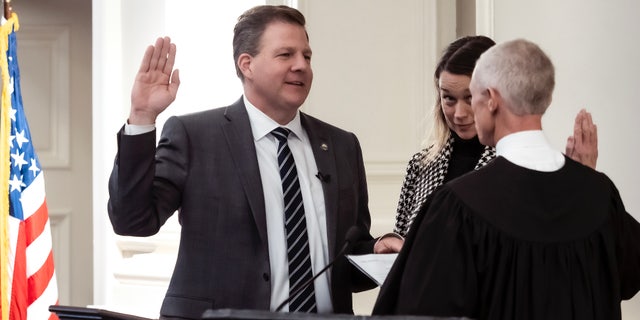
(28, 282)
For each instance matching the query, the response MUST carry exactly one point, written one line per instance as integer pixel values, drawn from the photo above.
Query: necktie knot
(281, 133)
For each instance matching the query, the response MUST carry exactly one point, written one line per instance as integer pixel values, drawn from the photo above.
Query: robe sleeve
(435, 273)
(627, 230)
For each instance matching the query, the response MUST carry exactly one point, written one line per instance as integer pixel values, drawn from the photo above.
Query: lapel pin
(324, 146)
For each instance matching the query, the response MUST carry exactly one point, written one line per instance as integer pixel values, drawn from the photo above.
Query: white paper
(376, 266)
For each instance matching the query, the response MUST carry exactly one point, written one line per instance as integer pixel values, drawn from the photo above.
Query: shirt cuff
(135, 129)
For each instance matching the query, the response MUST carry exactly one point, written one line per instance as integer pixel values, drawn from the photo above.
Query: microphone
(323, 177)
(354, 233)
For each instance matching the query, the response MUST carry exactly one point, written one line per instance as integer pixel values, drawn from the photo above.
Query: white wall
(594, 46)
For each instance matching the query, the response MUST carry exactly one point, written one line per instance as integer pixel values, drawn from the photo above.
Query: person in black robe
(532, 235)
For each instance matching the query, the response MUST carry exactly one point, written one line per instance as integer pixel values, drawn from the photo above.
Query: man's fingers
(164, 52)
(146, 59)
(569, 149)
(578, 132)
(591, 131)
(175, 83)
(594, 134)
(171, 59)
(587, 148)
(157, 51)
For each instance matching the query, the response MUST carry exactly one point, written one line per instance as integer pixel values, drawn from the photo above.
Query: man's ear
(244, 64)
(495, 100)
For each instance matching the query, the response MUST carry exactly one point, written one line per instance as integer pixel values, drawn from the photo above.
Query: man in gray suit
(220, 170)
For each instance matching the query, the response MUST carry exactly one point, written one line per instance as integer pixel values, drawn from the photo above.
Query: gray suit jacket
(205, 166)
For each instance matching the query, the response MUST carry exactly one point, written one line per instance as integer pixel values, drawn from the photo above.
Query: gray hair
(521, 72)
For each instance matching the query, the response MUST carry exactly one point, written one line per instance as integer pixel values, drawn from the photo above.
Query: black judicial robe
(506, 242)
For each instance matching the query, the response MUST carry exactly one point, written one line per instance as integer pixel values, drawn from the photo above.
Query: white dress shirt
(530, 149)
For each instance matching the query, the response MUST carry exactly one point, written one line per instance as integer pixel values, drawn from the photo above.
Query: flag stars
(12, 114)
(18, 159)
(21, 139)
(34, 167)
(16, 184)
(11, 87)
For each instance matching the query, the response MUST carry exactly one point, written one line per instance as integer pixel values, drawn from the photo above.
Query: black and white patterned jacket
(421, 180)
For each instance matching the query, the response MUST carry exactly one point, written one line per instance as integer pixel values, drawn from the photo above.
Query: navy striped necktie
(295, 227)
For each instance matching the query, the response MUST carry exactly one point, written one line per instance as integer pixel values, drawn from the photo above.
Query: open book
(375, 266)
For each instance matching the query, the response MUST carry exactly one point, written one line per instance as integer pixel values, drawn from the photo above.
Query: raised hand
(583, 145)
(156, 83)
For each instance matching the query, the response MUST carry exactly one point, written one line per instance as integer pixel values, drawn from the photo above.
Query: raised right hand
(582, 146)
(156, 83)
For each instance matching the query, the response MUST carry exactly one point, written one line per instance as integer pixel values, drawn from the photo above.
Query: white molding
(136, 270)
(485, 21)
(51, 44)
(142, 278)
(60, 224)
(381, 170)
(129, 248)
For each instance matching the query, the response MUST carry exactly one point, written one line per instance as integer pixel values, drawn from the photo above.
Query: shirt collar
(530, 149)
(262, 125)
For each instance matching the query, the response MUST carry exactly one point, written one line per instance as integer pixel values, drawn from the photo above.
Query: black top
(506, 242)
(465, 156)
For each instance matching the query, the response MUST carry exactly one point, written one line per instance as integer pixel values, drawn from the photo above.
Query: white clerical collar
(530, 149)
(262, 125)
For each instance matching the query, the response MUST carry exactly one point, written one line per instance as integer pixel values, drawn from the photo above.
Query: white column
(106, 95)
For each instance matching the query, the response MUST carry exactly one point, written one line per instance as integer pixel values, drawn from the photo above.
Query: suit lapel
(240, 142)
(324, 154)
